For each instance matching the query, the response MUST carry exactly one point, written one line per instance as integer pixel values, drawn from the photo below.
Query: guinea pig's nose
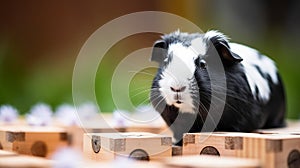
(178, 89)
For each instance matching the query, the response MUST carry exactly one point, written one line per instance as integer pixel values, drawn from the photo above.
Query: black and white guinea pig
(182, 89)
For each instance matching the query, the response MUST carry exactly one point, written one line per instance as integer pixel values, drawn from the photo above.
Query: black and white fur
(181, 90)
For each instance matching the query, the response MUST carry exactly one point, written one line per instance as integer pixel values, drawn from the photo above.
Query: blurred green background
(40, 40)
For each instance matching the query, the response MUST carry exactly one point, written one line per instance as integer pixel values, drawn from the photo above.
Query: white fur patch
(213, 33)
(177, 74)
(251, 58)
(199, 46)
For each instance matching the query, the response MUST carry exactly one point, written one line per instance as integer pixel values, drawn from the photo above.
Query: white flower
(145, 109)
(40, 115)
(8, 114)
(145, 114)
(121, 162)
(87, 111)
(67, 158)
(66, 114)
(119, 118)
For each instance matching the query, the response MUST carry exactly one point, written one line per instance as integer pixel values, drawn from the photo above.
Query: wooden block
(4, 153)
(137, 128)
(120, 163)
(12, 160)
(136, 145)
(76, 133)
(274, 150)
(293, 127)
(211, 162)
(106, 126)
(36, 141)
(176, 150)
(100, 124)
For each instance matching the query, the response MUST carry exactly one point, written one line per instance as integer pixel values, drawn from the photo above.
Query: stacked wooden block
(103, 147)
(36, 141)
(273, 150)
(135, 145)
(100, 124)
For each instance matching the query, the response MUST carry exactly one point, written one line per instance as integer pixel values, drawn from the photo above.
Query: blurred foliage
(23, 87)
(141, 82)
(44, 73)
(140, 86)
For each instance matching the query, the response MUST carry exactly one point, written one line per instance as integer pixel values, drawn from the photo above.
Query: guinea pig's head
(183, 67)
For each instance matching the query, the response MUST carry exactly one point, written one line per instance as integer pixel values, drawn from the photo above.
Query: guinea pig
(181, 91)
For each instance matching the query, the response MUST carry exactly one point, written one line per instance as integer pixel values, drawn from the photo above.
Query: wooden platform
(211, 162)
(14, 160)
(267, 148)
(135, 145)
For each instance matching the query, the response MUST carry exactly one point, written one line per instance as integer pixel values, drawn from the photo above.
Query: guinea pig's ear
(226, 53)
(220, 42)
(159, 51)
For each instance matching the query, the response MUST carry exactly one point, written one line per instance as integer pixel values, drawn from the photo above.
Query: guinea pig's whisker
(146, 81)
(156, 90)
(145, 73)
(206, 98)
(143, 102)
(226, 104)
(160, 101)
(202, 107)
(156, 96)
(212, 119)
(139, 89)
(205, 110)
(140, 93)
(239, 98)
(230, 93)
(224, 91)
(234, 96)
(143, 89)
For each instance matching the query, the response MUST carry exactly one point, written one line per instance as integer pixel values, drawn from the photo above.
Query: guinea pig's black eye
(200, 63)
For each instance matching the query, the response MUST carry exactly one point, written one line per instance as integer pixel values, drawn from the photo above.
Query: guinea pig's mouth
(178, 102)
